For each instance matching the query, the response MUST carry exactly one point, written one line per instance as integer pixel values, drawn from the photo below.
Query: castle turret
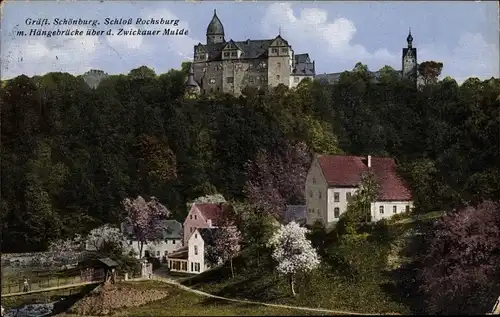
(215, 30)
(409, 60)
(192, 87)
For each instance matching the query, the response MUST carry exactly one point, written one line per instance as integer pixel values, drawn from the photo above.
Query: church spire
(409, 39)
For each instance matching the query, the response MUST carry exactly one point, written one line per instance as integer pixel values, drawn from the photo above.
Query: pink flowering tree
(142, 218)
(461, 264)
(227, 244)
(276, 178)
(293, 252)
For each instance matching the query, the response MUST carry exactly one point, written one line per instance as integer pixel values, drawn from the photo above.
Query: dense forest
(71, 154)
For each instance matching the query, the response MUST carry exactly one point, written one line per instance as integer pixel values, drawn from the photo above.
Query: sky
(464, 36)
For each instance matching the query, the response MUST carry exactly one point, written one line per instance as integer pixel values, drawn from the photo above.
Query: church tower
(215, 31)
(409, 60)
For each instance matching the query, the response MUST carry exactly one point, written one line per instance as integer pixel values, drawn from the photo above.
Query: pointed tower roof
(190, 81)
(409, 39)
(215, 26)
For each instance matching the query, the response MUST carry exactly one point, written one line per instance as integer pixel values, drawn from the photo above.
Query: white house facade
(333, 179)
(193, 257)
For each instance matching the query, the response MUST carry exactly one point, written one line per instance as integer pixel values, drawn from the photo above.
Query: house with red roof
(200, 226)
(333, 179)
(205, 215)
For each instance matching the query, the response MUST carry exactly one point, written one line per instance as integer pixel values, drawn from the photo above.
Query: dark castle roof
(303, 65)
(215, 27)
(251, 49)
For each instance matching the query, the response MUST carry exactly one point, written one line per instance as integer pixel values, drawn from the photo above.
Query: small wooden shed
(94, 270)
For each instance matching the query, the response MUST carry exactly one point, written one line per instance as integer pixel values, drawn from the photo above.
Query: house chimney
(369, 161)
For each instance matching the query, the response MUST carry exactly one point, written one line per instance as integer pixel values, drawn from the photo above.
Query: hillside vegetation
(72, 154)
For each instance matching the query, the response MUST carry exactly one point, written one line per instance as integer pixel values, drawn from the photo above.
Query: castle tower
(192, 87)
(215, 31)
(409, 60)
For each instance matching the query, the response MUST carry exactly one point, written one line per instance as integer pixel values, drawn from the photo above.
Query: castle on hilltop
(229, 66)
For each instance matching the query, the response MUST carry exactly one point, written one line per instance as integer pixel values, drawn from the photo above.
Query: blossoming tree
(142, 217)
(227, 244)
(293, 251)
(107, 238)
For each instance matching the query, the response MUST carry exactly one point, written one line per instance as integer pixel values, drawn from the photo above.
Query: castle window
(277, 77)
(230, 80)
(212, 80)
(226, 54)
(284, 50)
(234, 54)
(310, 193)
(279, 65)
(336, 212)
(319, 194)
(274, 50)
(407, 208)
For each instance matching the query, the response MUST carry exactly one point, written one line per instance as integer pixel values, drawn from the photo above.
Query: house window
(196, 236)
(184, 266)
(226, 54)
(230, 80)
(336, 197)
(191, 230)
(347, 196)
(195, 217)
(274, 50)
(173, 241)
(310, 193)
(195, 250)
(190, 216)
(296, 79)
(197, 267)
(284, 50)
(314, 180)
(234, 54)
(192, 266)
(212, 81)
(394, 209)
(319, 194)
(381, 210)
(277, 77)
(169, 264)
(336, 212)
(407, 208)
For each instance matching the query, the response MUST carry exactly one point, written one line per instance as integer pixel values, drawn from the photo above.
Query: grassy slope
(182, 303)
(375, 292)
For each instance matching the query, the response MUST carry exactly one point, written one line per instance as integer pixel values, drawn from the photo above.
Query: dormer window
(234, 54)
(274, 50)
(226, 54)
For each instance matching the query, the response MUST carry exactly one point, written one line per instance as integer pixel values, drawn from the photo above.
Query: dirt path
(321, 310)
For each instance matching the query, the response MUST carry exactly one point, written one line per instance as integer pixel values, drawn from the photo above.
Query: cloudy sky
(462, 35)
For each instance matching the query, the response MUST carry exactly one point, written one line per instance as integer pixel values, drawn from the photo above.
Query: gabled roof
(208, 235)
(302, 58)
(216, 212)
(346, 171)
